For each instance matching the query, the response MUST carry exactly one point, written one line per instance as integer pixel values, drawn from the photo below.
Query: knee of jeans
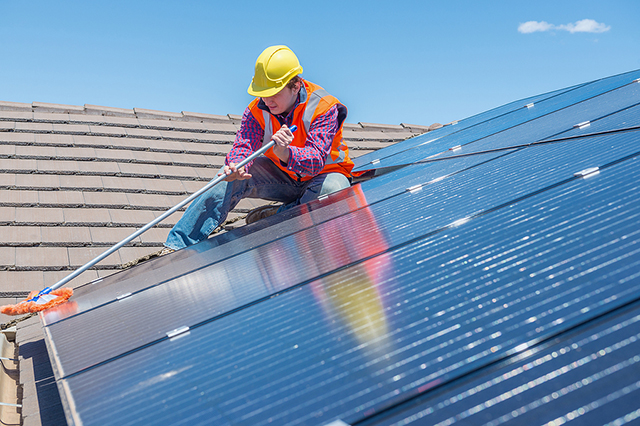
(334, 182)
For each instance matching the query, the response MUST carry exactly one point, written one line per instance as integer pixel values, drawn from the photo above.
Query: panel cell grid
(355, 340)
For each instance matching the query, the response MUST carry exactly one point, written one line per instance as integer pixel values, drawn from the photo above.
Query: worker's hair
(292, 83)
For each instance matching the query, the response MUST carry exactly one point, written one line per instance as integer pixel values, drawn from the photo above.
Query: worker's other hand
(234, 173)
(282, 139)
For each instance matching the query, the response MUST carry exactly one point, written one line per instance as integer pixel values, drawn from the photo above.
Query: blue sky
(416, 62)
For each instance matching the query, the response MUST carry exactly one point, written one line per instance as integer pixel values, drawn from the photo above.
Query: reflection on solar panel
(434, 293)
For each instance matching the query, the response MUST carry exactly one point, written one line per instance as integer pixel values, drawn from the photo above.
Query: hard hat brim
(264, 92)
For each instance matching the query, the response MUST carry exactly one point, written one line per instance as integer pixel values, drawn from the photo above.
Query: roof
(76, 180)
(490, 276)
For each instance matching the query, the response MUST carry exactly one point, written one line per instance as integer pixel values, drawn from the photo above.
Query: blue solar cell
(415, 317)
(217, 288)
(590, 375)
(628, 118)
(505, 122)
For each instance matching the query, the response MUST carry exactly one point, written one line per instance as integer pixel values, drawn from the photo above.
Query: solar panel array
(494, 282)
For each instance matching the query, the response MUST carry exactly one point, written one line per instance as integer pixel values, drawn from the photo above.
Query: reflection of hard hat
(275, 66)
(358, 302)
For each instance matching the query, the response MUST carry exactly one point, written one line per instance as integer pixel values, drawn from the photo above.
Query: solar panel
(351, 307)
(363, 337)
(589, 375)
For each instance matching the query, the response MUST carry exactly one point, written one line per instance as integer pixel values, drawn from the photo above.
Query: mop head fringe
(27, 307)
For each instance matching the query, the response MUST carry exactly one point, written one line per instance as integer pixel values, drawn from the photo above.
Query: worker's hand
(282, 139)
(234, 173)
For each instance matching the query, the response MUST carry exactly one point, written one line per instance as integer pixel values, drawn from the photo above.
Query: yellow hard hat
(275, 66)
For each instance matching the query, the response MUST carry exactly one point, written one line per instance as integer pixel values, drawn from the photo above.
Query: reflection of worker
(301, 166)
(356, 296)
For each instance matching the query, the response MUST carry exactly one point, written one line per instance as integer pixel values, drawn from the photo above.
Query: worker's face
(282, 101)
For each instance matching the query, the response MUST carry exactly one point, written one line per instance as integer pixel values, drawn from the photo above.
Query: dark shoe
(260, 213)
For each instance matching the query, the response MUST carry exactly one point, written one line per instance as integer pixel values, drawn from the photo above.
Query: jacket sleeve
(310, 159)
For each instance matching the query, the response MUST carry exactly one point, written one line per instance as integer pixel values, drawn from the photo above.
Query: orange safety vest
(314, 101)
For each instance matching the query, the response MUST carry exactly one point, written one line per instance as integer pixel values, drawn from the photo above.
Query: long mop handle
(157, 220)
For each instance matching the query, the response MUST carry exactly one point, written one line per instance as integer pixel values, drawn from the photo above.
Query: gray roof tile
(197, 116)
(51, 277)
(107, 131)
(7, 215)
(145, 133)
(131, 217)
(14, 106)
(81, 216)
(20, 235)
(104, 199)
(79, 256)
(80, 182)
(7, 256)
(7, 150)
(30, 151)
(38, 181)
(19, 198)
(149, 113)
(65, 235)
(33, 127)
(47, 107)
(60, 198)
(12, 165)
(37, 216)
(19, 138)
(108, 111)
(20, 281)
(111, 236)
(41, 257)
(74, 129)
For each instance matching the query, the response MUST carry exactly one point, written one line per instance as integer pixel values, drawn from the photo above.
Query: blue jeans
(268, 182)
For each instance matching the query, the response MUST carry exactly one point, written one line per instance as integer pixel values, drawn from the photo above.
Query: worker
(302, 165)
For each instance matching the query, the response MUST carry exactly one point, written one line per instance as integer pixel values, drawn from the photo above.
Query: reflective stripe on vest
(312, 104)
(268, 128)
(341, 156)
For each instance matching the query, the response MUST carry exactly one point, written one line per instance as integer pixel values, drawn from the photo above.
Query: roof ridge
(177, 117)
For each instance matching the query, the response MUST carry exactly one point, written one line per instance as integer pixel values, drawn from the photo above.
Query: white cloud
(585, 26)
(534, 26)
(582, 26)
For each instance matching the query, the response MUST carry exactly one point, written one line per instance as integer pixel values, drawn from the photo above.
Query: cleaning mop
(54, 295)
